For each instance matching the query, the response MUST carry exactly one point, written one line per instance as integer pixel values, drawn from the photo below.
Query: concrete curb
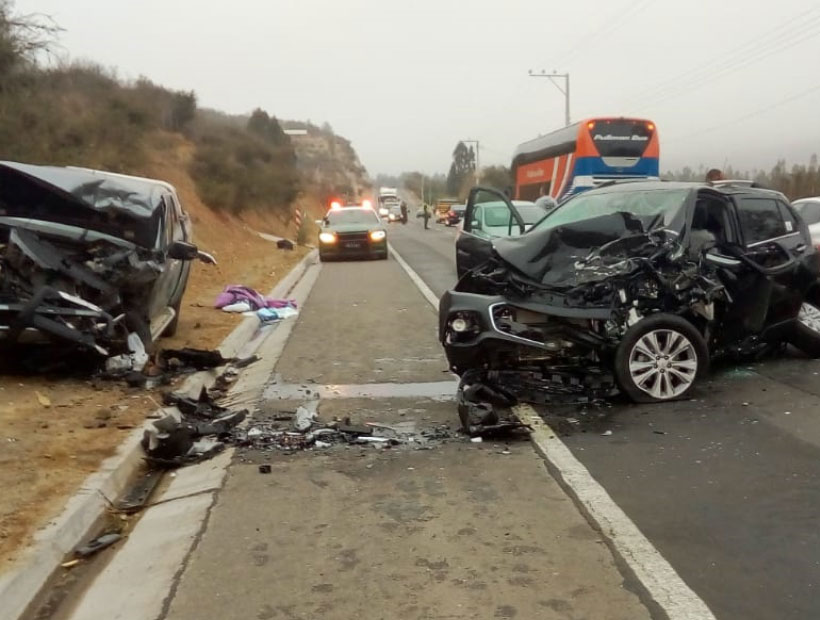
(19, 586)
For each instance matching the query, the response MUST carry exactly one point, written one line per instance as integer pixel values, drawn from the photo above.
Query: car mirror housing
(182, 250)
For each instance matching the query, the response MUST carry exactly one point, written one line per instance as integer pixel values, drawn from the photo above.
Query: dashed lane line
(657, 577)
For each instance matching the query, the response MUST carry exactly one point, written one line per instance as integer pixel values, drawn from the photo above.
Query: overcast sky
(732, 81)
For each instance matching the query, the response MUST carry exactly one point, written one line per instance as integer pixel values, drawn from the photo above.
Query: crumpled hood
(119, 206)
(551, 256)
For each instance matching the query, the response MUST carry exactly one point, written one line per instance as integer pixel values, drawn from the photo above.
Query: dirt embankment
(55, 431)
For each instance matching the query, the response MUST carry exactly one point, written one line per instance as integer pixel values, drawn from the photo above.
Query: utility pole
(477, 159)
(565, 91)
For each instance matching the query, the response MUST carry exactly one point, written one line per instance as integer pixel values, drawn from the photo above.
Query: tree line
(795, 181)
(72, 113)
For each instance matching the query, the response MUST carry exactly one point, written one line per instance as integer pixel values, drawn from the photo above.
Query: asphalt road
(457, 530)
(726, 486)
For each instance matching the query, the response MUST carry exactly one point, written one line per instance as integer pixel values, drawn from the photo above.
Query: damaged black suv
(88, 258)
(632, 286)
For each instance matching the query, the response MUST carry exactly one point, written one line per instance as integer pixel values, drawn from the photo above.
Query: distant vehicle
(455, 214)
(387, 197)
(584, 155)
(352, 232)
(809, 210)
(394, 212)
(487, 219)
(442, 208)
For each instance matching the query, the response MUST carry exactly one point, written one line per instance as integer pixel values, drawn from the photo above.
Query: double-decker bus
(584, 155)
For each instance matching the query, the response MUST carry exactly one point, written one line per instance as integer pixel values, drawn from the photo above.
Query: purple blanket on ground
(234, 293)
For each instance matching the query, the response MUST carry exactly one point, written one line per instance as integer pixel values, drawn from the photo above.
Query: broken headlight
(463, 326)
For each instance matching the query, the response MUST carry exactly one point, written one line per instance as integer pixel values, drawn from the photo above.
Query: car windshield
(500, 216)
(352, 216)
(655, 208)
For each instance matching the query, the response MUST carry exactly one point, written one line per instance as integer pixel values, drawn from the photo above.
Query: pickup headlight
(327, 237)
(378, 235)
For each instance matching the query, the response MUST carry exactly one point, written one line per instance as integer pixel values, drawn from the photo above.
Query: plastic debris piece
(264, 469)
(304, 419)
(44, 400)
(606, 433)
(97, 545)
(476, 439)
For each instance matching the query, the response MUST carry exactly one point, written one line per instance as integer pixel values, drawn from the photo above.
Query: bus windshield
(620, 137)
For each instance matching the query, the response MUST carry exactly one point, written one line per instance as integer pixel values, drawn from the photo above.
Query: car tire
(806, 335)
(643, 371)
(383, 256)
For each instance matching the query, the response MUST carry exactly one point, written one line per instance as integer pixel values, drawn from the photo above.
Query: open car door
(487, 214)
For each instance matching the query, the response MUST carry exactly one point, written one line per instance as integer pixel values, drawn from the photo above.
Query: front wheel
(660, 358)
(806, 336)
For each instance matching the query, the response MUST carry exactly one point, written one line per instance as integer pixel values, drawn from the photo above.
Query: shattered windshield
(646, 209)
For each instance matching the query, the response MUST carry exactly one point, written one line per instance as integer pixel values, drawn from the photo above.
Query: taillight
(591, 125)
(650, 126)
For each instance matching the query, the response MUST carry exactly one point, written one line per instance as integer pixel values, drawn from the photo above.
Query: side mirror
(182, 250)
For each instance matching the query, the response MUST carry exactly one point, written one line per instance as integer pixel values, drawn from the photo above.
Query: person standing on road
(403, 212)
(426, 212)
(715, 174)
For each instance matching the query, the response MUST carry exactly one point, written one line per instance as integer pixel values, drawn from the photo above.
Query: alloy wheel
(664, 364)
(809, 317)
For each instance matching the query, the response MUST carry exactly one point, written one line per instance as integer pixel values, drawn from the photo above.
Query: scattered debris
(137, 495)
(70, 563)
(178, 440)
(97, 545)
(44, 400)
(284, 244)
(265, 469)
(235, 294)
(606, 434)
(485, 408)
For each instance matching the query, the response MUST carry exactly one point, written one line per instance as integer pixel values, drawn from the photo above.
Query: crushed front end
(555, 342)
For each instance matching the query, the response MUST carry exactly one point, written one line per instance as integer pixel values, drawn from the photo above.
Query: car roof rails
(612, 182)
(733, 183)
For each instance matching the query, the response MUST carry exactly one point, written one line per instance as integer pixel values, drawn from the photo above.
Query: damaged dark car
(631, 288)
(89, 258)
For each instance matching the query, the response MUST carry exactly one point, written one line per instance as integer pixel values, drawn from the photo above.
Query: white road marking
(429, 295)
(661, 582)
(296, 391)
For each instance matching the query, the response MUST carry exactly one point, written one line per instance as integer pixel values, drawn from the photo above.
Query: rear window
(809, 211)
(761, 219)
(620, 138)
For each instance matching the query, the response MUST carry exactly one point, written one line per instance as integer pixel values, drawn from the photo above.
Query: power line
(750, 115)
(738, 59)
(591, 39)
(732, 55)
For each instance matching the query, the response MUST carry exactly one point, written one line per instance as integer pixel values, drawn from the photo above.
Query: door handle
(800, 248)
